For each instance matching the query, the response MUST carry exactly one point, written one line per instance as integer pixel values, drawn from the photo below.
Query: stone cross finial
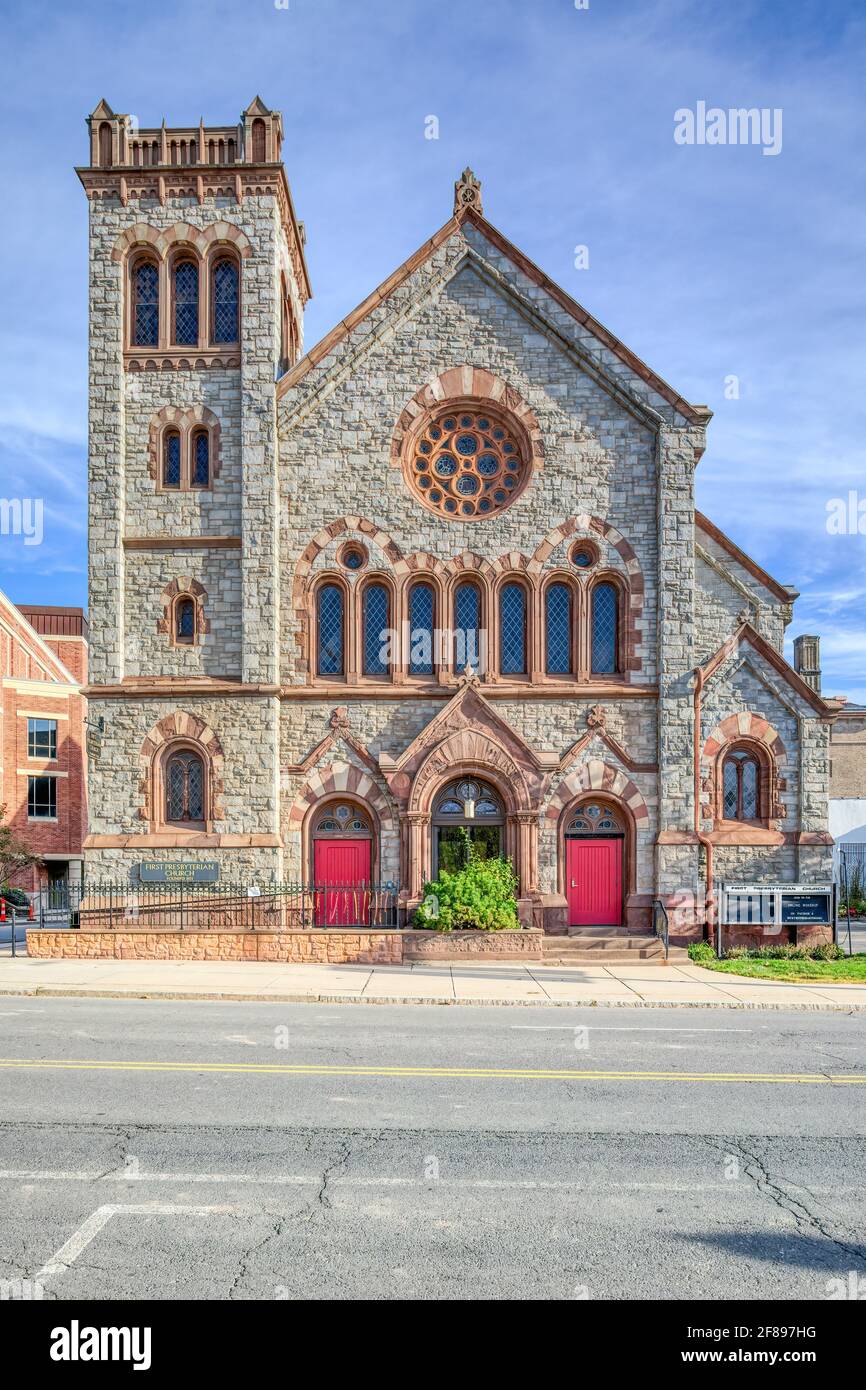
(339, 718)
(597, 717)
(467, 193)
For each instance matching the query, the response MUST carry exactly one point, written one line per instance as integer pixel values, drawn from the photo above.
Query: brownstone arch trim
(350, 781)
(745, 726)
(142, 234)
(469, 384)
(468, 752)
(751, 733)
(187, 730)
(186, 422)
(183, 587)
(634, 577)
(301, 579)
(600, 777)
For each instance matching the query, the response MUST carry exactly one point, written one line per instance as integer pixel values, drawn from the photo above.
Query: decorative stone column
(418, 857)
(523, 838)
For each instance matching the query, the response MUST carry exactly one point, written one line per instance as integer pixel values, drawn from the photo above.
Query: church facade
(439, 575)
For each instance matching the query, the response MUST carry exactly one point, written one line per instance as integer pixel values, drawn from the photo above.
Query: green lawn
(853, 969)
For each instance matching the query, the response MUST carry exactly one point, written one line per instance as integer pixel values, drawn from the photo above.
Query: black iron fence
(187, 906)
(661, 925)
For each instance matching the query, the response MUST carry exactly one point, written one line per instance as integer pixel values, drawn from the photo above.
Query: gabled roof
(746, 633)
(696, 414)
(783, 592)
(27, 637)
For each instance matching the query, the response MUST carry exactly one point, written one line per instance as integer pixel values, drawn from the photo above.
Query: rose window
(467, 464)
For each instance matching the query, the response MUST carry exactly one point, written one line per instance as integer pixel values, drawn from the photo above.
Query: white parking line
(69, 1252)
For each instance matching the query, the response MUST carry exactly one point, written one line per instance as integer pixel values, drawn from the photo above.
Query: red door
(594, 882)
(342, 868)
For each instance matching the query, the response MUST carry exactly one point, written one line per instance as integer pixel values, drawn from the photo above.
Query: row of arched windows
(174, 312)
(360, 631)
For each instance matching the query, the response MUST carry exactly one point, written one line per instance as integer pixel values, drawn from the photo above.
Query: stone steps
(605, 946)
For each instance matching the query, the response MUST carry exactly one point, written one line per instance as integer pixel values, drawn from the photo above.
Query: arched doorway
(467, 807)
(342, 854)
(594, 847)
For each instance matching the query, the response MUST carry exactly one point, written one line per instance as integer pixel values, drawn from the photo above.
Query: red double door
(594, 882)
(342, 872)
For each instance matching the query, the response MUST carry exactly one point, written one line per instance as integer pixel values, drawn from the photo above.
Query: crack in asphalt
(807, 1221)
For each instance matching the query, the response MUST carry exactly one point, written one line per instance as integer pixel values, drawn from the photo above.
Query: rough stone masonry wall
(335, 454)
(248, 732)
(215, 652)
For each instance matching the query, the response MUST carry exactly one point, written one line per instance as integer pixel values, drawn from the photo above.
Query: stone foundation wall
(293, 947)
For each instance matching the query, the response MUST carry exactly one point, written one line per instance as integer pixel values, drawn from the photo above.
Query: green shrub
(15, 895)
(737, 953)
(482, 896)
(701, 951)
(829, 951)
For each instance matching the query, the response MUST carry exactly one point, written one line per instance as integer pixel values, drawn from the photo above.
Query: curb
(239, 996)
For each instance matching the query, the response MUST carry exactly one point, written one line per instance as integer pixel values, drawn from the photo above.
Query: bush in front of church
(482, 896)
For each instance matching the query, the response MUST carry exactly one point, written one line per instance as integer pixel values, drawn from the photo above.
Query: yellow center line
(459, 1073)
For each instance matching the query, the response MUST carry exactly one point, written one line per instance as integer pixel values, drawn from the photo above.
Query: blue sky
(709, 261)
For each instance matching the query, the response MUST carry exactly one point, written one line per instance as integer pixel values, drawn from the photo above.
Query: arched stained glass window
(184, 788)
(184, 620)
(225, 301)
(171, 459)
(605, 629)
(421, 614)
(467, 635)
(376, 624)
(330, 630)
(201, 459)
(558, 630)
(186, 303)
(741, 786)
(512, 630)
(145, 305)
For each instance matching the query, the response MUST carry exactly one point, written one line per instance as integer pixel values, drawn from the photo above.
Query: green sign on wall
(179, 871)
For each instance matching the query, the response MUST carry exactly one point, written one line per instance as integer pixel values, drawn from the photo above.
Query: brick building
(441, 572)
(43, 668)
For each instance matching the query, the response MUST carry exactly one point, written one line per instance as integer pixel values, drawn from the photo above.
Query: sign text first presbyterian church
(444, 573)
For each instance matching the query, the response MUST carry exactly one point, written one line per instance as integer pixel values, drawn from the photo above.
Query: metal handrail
(661, 925)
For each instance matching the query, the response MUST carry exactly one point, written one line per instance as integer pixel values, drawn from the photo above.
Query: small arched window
(184, 620)
(422, 608)
(171, 459)
(512, 630)
(258, 141)
(467, 628)
(558, 625)
(225, 301)
(330, 631)
(186, 303)
(742, 786)
(105, 145)
(376, 608)
(184, 788)
(145, 304)
(605, 629)
(200, 476)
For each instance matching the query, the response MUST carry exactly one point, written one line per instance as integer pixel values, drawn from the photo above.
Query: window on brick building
(184, 789)
(422, 608)
(224, 327)
(742, 786)
(512, 630)
(186, 302)
(145, 304)
(171, 459)
(200, 459)
(42, 798)
(558, 630)
(42, 738)
(330, 630)
(605, 629)
(377, 609)
(184, 620)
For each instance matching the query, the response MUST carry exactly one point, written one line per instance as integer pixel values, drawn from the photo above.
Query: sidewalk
(641, 985)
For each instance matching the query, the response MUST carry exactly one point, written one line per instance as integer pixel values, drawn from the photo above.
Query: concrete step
(606, 946)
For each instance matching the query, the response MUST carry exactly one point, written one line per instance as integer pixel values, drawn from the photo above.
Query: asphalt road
(227, 1150)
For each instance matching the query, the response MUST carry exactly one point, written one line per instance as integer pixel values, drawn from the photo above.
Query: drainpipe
(703, 840)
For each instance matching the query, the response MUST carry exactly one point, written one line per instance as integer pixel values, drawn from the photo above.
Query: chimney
(807, 660)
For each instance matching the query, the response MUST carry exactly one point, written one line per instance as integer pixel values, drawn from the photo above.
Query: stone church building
(440, 572)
